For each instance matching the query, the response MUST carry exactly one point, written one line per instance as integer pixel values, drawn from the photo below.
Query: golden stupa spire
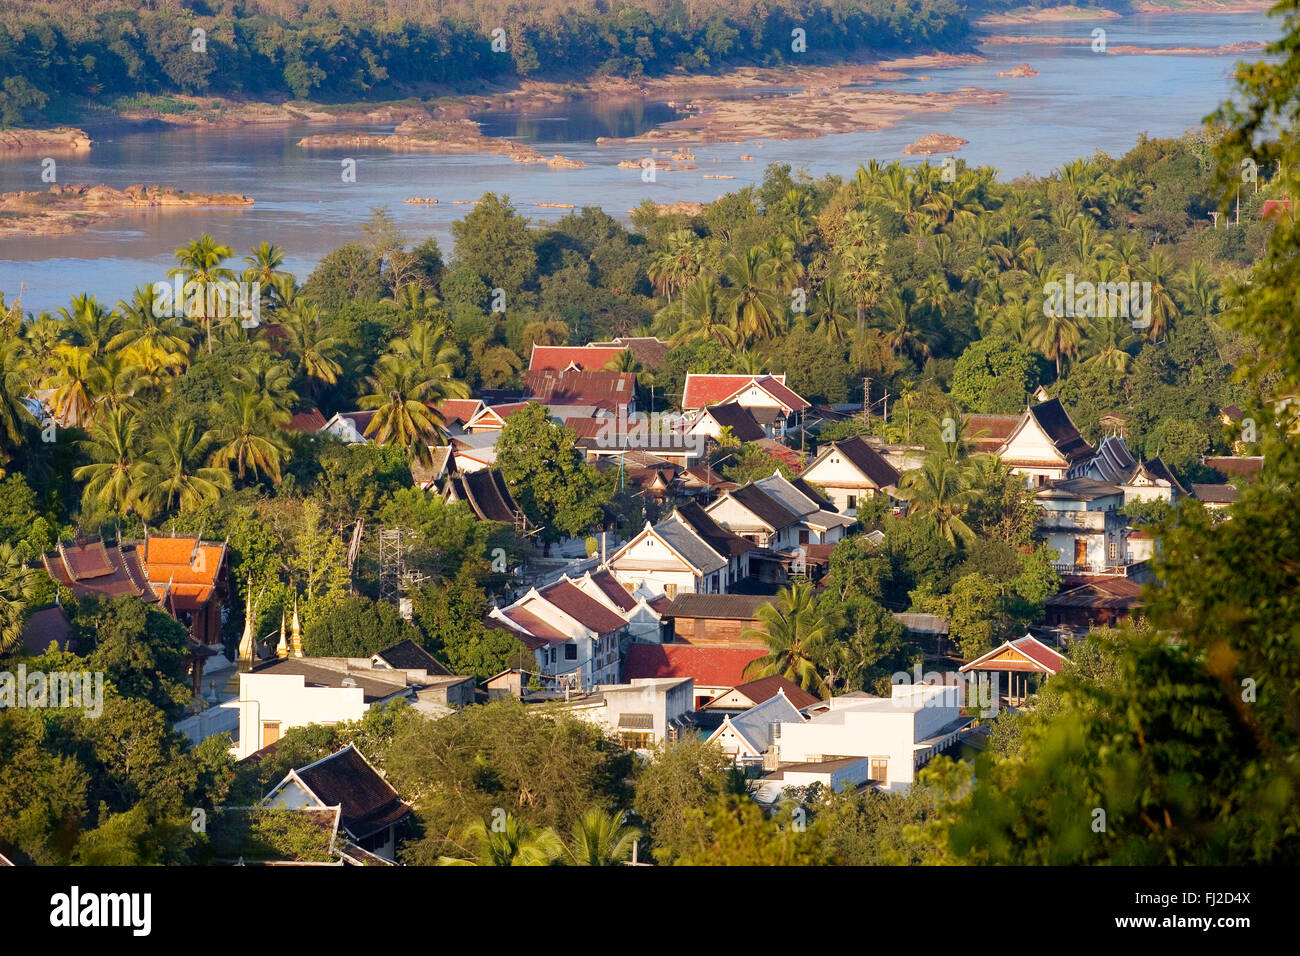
(295, 642)
(246, 649)
(282, 649)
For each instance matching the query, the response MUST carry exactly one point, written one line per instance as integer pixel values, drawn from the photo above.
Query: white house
(1081, 520)
(371, 810)
(686, 553)
(819, 522)
(349, 426)
(754, 736)
(897, 734)
(771, 402)
(642, 713)
(294, 692)
(850, 471)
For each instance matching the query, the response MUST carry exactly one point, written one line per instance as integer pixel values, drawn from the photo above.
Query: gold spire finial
(296, 640)
(282, 649)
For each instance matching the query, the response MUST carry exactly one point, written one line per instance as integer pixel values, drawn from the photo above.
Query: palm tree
(1109, 340)
(413, 297)
(903, 336)
(862, 273)
(937, 489)
(1200, 289)
(1163, 310)
(13, 387)
(1056, 336)
(677, 264)
(600, 839)
(828, 317)
(114, 446)
(514, 843)
(750, 295)
(703, 315)
(173, 474)
(73, 386)
(89, 324)
(17, 591)
(264, 262)
(200, 265)
(155, 343)
(270, 379)
(401, 400)
(314, 352)
(793, 629)
(249, 436)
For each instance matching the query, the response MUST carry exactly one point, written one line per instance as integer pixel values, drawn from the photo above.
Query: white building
(897, 734)
(1081, 520)
(850, 471)
(1045, 445)
(754, 737)
(686, 553)
(641, 714)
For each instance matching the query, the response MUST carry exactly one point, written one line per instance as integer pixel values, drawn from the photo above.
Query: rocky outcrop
(62, 140)
(64, 209)
(1024, 69)
(935, 143)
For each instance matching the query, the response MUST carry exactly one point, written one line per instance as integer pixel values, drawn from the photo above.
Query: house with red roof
(574, 358)
(576, 639)
(773, 404)
(715, 670)
(1024, 661)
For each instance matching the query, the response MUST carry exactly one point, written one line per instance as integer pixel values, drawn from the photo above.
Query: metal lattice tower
(390, 564)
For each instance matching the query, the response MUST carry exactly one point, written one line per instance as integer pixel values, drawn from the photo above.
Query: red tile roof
(710, 666)
(704, 390)
(535, 626)
(606, 390)
(307, 422)
(765, 688)
(610, 587)
(457, 411)
(589, 358)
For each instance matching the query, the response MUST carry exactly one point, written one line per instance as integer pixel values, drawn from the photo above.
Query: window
(880, 768)
(1112, 551)
(270, 732)
(637, 739)
(570, 652)
(853, 501)
(713, 584)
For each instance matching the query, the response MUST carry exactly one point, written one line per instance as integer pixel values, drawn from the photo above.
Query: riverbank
(66, 209)
(1145, 7)
(63, 139)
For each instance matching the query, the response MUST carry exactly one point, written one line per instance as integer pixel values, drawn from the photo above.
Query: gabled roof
(988, 432)
(702, 391)
(458, 411)
(754, 726)
(763, 506)
(408, 655)
(726, 543)
(1112, 462)
(535, 632)
(742, 424)
(494, 416)
(709, 666)
(649, 350)
(346, 779)
(1078, 489)
(1215, 494)
(1233, 466)
(372, 687)
(1023, 654)
(689, 546)
(307, 421)
(558, 358)
(869, 462)
(811, 493)
(583, 608)
(614, 592)
(1055, 423)
(766, 687)
(45, 624)
(485, 491)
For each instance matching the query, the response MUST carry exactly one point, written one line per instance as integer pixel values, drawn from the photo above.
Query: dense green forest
(57, 55)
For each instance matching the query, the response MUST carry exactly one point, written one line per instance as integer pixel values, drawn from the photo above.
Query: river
(1079, 103)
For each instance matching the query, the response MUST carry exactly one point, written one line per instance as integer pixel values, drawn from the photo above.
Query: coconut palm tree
(401, 397)
(751, 295)
(200, 266)
(112, 481)
(89, 325)
(1159, 272)
(116, 380)
(937, 490)
(73, 386)
(17, 591)
(794, 631)
(313, 351)
(600, 839)
(247, 436)
(1110, 339)
(14, 386)
(434, 353)
(264, 262)
(1200, 290)
(862, 273)
(829, 316)
(173, 474)
(703, 315)
(1056, 336)
(904, 337)
(155, 343)
(513, 843)
(677, 264)
(269, 378)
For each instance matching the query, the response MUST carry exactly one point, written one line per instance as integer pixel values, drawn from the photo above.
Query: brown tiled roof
(715, 536)
(307, 422)
(610, 587)
(346, 780)
(1055, 423)
(408, 655)
(1231, 466)
(45, 624)
(742, 424)
(866, 459)
(583, 608)
(539, 633)
(1216, 494)
(767, 508)
(606, 390)
(720, 607)
(765, 688)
